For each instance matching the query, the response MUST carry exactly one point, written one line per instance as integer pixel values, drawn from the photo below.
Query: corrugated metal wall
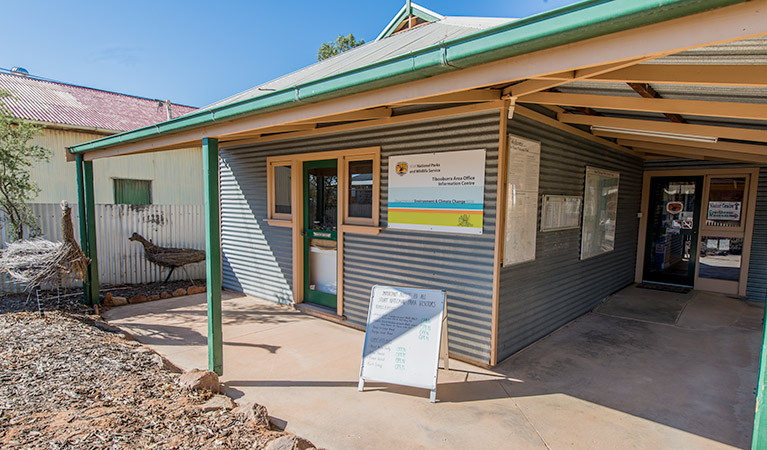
(176, 175)
(537, 297)
(757, 271)
(120, 260)
(257, 257)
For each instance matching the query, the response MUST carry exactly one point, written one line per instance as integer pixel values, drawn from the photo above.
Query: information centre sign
(437, 191)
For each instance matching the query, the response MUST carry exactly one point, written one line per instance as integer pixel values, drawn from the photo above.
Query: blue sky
(197, 52)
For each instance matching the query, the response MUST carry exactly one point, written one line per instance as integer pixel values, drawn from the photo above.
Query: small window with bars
(132, 192)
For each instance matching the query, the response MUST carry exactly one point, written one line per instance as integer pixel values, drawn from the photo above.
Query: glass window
(132, 192)
(720, 258)
(282, 190)
(323, 198)
(725, 202)
(361, 189)
(600, 211)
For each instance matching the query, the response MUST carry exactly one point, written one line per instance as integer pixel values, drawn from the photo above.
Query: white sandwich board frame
(405, 338)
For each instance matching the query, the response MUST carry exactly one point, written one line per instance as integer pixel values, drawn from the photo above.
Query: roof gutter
(573, 23)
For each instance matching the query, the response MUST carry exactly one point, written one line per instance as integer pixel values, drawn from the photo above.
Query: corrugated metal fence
(120, 260)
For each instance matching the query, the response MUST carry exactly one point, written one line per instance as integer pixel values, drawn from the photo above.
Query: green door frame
(310, 295)
(649, 242)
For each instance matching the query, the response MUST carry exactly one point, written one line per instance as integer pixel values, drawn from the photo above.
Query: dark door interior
(320, 232)
(672, 230)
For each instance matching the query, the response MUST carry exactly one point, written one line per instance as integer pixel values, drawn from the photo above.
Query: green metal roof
(573, 23)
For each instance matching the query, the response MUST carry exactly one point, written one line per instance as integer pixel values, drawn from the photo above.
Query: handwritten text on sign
(403, 336)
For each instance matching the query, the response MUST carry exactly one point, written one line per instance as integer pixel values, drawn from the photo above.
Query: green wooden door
(320, 232)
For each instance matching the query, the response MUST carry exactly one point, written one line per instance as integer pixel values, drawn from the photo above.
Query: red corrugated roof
(54, 102)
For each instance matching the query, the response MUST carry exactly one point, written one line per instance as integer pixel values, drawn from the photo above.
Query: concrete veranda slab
(599, 382)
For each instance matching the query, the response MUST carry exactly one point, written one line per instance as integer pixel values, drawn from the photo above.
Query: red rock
(195, 290)
(165, 294)
(179, 292)
(154, 297)
(197, 379)
(138, 299)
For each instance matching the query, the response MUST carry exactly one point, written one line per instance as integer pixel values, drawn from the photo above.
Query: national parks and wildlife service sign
(437, 191)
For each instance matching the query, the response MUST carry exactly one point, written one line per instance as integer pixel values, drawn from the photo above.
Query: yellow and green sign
(437, 191)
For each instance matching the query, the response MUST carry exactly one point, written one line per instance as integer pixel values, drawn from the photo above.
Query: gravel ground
(68, 381)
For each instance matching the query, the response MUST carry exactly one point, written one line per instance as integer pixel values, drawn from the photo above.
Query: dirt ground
(69, 381)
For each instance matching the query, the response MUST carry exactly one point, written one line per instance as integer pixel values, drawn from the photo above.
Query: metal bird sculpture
(169, 256)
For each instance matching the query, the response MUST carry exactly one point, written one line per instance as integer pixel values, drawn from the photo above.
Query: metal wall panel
(756, 288)
(120, 260)
(257, 258)
(176, 175)
(461, 264)
(539, 296)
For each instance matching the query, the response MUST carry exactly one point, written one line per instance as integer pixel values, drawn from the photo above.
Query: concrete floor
(648, 370)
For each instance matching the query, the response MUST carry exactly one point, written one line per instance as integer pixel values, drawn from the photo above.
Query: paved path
(601, 382)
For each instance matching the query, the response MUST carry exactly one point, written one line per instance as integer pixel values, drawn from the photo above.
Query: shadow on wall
(257, 258)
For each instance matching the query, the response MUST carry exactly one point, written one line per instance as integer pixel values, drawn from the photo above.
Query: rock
(138, 299)
(116, 301)
(218, 402)
(195, 290)
(253, 413)
(163, 364)
(154, 297)
(107, 298)
(179, 292)
(165, 294)
(197, 379)
(289, 442)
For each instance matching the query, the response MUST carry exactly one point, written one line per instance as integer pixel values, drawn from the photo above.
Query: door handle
(303, 233)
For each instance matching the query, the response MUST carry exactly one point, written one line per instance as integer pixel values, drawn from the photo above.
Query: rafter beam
(473, 96)
(646, 91)
(731, 110)
(537, 85)
(276, 129)
(365, 114)
(693, 153)
(538, 117)
(745, 134)
(424, 115)
(721, 145)
(741, 75)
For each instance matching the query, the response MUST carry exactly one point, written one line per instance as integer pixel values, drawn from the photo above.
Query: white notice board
(405, 330)
(522, 169)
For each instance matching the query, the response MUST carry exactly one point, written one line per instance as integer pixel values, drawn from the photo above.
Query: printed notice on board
(522, 169)
(437, 191)
(402, 340)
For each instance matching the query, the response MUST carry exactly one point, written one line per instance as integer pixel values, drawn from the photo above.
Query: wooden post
(82, 218)
(213, 255)
(92, 253)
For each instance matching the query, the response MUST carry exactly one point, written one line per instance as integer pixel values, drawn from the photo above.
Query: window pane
(282, 189)
(323, 198)
(725, 201)
(600, 212)
(323, 271)
(720, 258)
(132, 192)
(361, 189)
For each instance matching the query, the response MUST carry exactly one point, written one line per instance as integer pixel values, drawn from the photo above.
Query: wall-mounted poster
(522, 169)
(560, 212)
(600, 212)
(723, 211)
(437, 191)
